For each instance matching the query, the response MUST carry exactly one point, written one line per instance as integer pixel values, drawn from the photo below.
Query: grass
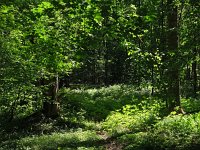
(115, 117)
(72, 139)
(97, 104)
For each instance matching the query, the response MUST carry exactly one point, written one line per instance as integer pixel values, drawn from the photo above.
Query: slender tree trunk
(162, 45)
(173, 69)
(194, 72)
(152, 80)
(106, 80)
(104, 42)
(153, 48)
(94, 73)
(188, 76)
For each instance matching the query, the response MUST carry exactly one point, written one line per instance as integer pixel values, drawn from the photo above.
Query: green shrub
(177, 131)
(135, 141)
(190, 105)
(174, 132)
(132, 118)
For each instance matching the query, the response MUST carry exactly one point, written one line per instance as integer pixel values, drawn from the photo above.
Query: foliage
(177, 132)
(33, 47)
(136, 120)
(190, 105)
(96, 104)
(133, 118)
(101, 63)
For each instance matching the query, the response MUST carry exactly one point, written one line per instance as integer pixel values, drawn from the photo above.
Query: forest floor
(118, 117)
(46, 134)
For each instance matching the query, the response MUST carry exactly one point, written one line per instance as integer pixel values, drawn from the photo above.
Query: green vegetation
(99, 74)
(96, 118)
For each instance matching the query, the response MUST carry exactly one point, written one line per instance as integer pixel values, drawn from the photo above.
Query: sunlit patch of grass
(96, 104)
(60, 140)
(133, 118)
(91, 125)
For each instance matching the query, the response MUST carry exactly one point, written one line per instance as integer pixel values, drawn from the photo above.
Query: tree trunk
(194, 73)
(173, 69)
(106, 79)
(51, 107)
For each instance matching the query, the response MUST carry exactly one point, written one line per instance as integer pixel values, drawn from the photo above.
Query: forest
(99, 75)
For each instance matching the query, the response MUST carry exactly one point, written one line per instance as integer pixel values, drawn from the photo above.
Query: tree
(190, 45)
(172, 73)
(36, 46)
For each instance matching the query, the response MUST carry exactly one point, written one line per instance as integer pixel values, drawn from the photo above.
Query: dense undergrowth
(118, 117)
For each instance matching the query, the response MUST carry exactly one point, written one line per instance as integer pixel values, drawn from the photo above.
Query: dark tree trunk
(94, 77)
(188, 76)
(105, 12)
(51, 107)
(194, 73)
(152, 80)
(153, 47)
(106, 80)
(172, 70)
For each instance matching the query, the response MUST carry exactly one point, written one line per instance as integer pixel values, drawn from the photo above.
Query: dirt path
(110, 142)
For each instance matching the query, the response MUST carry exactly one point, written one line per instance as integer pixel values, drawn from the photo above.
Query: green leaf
(98, 18)
(149, 18)
(46, 5)
(5, 9)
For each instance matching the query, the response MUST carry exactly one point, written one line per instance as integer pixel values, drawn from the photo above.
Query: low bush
(133, 118)
(180, 132)
(174, 132)
(190, 105)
